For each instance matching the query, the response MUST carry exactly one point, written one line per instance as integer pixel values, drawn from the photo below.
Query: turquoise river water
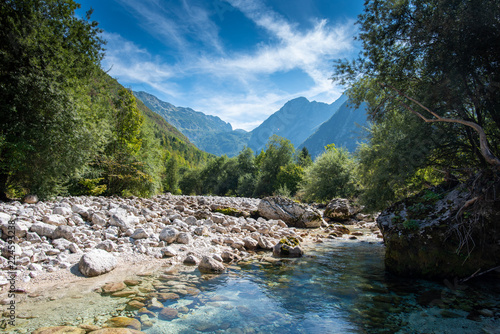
(338, 287)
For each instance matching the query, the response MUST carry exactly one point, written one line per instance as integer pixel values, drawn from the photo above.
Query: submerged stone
(168, 313)
(59, 330)
(124, 322)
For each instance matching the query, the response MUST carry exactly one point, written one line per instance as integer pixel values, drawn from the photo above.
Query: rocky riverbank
(50, 239)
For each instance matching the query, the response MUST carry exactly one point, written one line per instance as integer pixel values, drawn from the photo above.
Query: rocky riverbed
(49, 241)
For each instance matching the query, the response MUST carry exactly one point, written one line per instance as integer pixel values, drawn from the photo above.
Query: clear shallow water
(338, 287)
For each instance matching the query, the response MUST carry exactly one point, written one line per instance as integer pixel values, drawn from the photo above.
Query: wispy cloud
(234, 86)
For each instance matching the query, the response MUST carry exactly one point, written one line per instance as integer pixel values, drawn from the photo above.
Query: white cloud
(234, 86)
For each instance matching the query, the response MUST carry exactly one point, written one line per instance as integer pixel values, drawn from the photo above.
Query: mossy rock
(290, 241)
(232, 212)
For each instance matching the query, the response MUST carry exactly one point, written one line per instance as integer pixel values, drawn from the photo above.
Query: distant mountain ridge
(305, 123)
(209, 133)
(344, 129)
(193, 124)
(296, 120)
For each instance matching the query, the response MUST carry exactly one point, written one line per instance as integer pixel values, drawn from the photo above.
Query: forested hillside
(66, 126)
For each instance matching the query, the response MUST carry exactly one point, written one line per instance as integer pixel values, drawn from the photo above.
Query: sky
(240, 60)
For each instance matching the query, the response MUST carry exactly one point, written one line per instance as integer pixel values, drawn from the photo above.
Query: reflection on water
(339, 287)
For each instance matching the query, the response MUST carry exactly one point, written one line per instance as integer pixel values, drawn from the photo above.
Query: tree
(332, 175)
(304, 158)
(279, 152)
(47, 58)
(171, 180)
(290, 177)
(437, 60)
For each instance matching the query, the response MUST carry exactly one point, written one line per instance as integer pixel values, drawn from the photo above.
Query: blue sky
(240, 60)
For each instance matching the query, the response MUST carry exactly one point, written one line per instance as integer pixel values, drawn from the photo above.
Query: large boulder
(444, 233)
(340, 209)
(97, 262)
(292, 213)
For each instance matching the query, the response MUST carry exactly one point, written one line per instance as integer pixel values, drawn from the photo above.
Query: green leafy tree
(304, 158)
(333, 174)
(171, 179)
(438, 61)
(47, 58)
(191, 182)
(279, 152)
(132, 163)
(290, 176)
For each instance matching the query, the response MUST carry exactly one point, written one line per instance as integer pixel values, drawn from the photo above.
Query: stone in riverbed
(168, 313)
(117, 331)
(96, 262)
(340, 209)
(184, 238)
(135, 305)
(265, 243)
(59, 330)
(292, 213)
(124, 322)
(168, 252)
(289, 247)
(191, 259)
(113, 287)
(169, 235)
(55, 220)
(210, 265)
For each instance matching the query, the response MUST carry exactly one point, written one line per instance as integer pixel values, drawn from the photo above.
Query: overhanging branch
(483, 141)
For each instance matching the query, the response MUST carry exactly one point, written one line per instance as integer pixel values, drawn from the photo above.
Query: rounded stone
(97, 262)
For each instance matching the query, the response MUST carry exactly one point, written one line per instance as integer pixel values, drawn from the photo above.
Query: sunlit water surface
(338, 287)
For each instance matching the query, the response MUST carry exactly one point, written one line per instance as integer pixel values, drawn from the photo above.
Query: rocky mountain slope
(344, 129)
(296, 121)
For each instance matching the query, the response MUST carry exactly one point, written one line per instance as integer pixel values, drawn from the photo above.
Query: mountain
(344, 129)
(228, 143)
(208, 133)
(296, 120)
(193, 124)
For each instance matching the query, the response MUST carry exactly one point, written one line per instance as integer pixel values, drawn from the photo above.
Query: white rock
(65, 232)
(201, 230)
(250, 243)
(107, 245)
(120, 221)
(81, 210)
(99, 219)
(217, 257)
(168, 252)
(184, 238)
(169, 234)
(63, 211)
(73, 248)
(210, 265)
(76, 219)
(17, 228)
(54, 220)
(61, 244)
(97, 262)
(265, 243)
(35, 267)
(140, 233)
(191, 259)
